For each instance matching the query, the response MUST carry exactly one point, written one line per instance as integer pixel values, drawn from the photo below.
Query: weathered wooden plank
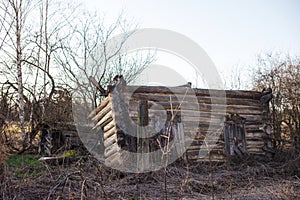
(187, 105)
(112, 149)
(110, 140)
(160, 90)
(190, 113)
(109, 133)
(102, 113)
(191, 98)
(205, 147)
(257, 144)
(202, 92)
(214, 109)
(229, 101)
(254, 135)
(195, 122)
(109, 126)
(203, 127)
(100, 107)
(105, 120)
(190, 127)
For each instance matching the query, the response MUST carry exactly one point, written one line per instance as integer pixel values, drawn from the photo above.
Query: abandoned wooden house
(202, 124)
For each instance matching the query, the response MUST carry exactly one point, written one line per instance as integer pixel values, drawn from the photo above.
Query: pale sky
(232, 32)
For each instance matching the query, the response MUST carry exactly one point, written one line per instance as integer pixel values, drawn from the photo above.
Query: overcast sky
(232, 32)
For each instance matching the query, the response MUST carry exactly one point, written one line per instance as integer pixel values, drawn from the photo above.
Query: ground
(83, 177)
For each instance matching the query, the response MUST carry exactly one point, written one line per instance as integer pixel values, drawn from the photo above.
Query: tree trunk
(18, 18)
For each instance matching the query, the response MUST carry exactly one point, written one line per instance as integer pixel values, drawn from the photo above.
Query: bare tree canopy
(281, 73)
(49, 49)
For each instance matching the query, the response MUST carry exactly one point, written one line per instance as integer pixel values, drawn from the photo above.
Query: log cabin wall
(201, 114)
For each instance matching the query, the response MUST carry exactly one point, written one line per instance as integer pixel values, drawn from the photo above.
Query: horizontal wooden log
(196, 114)
(100, 107)
(105, 120)
(254, 135)
(198, 139)
(255, 139)
(202, 92)
(229, 101)
(204, 130)
(109, 126)
(250, 143)
(204, 126)
(109, 133)
(206, 148)
(214, 109)
(195, 122)
(190, 105)
(254, 128)
(102, 113)
(112, 149)
(192, 128)
(190, 98)
(110, 140)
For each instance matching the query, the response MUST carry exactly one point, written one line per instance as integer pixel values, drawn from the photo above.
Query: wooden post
(226, 139)
(143, 113)
(143, 142)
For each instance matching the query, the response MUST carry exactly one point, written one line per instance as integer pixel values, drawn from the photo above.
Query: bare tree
(238, 78)
(16, 15)
(282, 74)
(5, 26)
(87, 53)
(26, 53)
(42, 58)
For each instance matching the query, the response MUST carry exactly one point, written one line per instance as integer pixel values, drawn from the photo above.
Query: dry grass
(86, 178)
(11, 140)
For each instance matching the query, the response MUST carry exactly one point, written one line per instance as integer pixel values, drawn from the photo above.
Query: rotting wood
(112, 149)
(190, 98)
(200, 92)
(100, 115)
(99, 108)
(109, 133)
(218, 109)
(110, 140)
(109, 126)
(202, 112)
(192, 113)
(105, 120)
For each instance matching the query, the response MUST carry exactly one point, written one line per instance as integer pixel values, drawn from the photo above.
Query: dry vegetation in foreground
(83, 177)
